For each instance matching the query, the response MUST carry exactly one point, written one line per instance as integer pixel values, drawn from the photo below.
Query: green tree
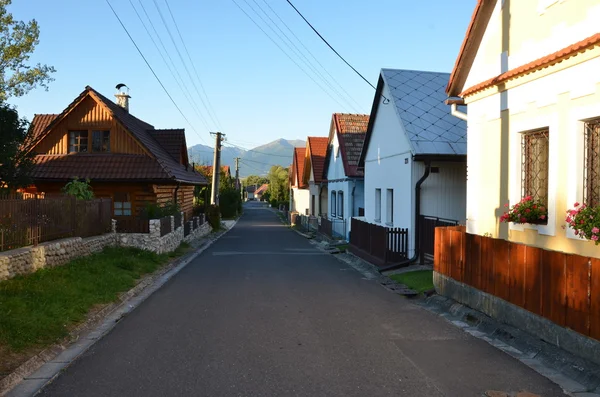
(80, 189)
(18, 40)
(255, 180)
(278, 183)
(16, 163)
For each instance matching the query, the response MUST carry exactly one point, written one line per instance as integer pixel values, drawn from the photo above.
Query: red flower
(523, 219)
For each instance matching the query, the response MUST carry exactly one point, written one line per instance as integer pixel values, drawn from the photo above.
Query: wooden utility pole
(214, 197)
(237, 173)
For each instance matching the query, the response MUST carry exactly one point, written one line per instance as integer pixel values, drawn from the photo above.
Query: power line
(310, 53)
(286, 54)
(179, 54)
(187, 96)
(332, 49)
(254, 168)
(210, 109)
(299, 53)
(152, 70)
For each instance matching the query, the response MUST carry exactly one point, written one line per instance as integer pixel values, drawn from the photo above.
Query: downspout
(457, 113)
(416, 255)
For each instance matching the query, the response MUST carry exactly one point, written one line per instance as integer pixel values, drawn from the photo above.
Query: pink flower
(569, 219)
(595, 237)
(527, 198)
(542, 216)
(528, 210)
(523, 219)
(581, 222)
(595, 230)
(576, 204)
(534, 206)
(577, 232)
(506, 205)
(543, 209)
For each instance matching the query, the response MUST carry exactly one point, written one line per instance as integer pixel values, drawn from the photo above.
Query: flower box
(527, 210)
(585, 221)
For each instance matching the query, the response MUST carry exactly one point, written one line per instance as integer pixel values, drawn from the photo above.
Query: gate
(427, 225)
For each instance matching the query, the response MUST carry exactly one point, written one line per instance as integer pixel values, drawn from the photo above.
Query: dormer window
(100, 141)
(78, 141)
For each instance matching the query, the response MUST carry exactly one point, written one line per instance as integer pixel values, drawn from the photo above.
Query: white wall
(443, 194)
(300, 200)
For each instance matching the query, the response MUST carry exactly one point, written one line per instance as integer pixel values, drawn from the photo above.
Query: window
(534, 164)
(340, 204)
(389, 213)
(333, 204)
(377, 205)
(78, 141)
(312, 207)
(100, 141)
(591, 181)
(122, 204)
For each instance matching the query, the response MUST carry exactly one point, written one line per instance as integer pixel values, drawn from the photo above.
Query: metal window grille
(534, 164)
(591, 175)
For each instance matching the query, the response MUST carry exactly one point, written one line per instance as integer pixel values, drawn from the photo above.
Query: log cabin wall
(88, 115)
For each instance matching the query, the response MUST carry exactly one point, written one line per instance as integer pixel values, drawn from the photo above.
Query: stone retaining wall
(58, 252)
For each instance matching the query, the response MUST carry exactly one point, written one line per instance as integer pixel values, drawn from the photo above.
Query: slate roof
(318, 150)
(163, 164)
(419, 101)
(352, 129)
(298, 166)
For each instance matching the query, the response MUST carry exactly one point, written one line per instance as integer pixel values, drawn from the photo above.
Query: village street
(264, 313)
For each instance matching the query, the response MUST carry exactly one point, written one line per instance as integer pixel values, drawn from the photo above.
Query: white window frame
(377, 205)
(340, 204)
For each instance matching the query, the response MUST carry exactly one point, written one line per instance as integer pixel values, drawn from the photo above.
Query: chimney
(122, 96)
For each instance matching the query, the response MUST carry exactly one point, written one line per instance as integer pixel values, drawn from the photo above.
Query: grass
(39, 309)
(420, 280)
(342, 247)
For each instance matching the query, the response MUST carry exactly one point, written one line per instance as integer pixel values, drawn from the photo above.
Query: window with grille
(591, 176)
(534, 165)
(78, 141)
(100, 141)
(333, 204)
(122, 204)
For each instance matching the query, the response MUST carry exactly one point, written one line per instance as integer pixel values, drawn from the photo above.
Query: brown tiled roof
(318, 149)
(352, 129)
(98, 167)
(538, 64)
(207, 170)
(477, 26)
(39, 124)
(171, 140)
(298, 166)
(141, 131)
(262, 189)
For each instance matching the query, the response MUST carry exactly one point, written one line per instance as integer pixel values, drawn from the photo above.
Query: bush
(155, 211)
(229, 202)
(80, 189)
(213, 214)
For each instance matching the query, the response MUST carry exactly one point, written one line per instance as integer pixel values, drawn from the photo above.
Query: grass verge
(39, 309)
(420, 280)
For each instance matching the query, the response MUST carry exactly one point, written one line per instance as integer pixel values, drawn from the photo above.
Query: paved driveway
(262, 313)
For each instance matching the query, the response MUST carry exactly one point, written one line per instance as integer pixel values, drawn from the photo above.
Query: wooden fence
(563, 288)
(165, 226)
(32, 221)
(377, 244)
(127, 225)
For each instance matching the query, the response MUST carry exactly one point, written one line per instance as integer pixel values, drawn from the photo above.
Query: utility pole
(214, 197)
(237, 173)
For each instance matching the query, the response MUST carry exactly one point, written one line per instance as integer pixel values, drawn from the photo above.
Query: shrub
(155, 211)
(585, 221)
(213, 214)
(80, 189)
(229, 202)
(527, 210)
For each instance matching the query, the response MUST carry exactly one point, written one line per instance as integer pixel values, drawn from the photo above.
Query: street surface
(263, 313)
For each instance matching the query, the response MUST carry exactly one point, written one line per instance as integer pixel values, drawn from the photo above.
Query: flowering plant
(527, 210)
(585, 221)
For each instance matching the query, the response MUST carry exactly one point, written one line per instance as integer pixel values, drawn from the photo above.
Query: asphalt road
(262, 313)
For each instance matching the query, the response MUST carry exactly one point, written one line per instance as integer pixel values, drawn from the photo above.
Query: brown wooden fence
(165, 225)
(127, 225)
(33, 221)
(377, 244)
(563, 288)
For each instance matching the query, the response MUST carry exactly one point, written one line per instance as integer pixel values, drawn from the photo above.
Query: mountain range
(256, 161)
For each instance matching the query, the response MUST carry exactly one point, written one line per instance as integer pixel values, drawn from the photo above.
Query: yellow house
(529, 71)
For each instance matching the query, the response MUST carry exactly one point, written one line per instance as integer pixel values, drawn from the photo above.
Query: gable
(88, 114)
(335, 164)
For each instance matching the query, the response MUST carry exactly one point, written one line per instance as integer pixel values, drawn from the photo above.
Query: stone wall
(58, 252)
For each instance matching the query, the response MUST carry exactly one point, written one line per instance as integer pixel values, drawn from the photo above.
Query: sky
(253, 91)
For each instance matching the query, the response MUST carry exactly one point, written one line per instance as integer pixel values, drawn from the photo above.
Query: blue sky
(258, 94)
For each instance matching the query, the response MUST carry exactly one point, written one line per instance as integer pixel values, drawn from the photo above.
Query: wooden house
(125, 158)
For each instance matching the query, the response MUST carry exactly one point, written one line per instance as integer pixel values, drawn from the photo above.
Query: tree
(18, 40)
(15, 163)
(278, 183)
(255, 180)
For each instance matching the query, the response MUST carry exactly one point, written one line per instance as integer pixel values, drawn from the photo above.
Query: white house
(414, 156)
(345, 181)
(299, 193)
(316, 148)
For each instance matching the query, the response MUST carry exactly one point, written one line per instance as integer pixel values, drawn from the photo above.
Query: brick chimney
(122, 96)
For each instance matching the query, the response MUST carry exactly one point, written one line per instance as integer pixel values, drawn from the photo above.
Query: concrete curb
(39, 371)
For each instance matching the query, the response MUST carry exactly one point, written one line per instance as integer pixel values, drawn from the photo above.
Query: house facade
(344, 179)
(414, 155)
(314, 162)
(528, 72)
(299, 192)
(125, 158)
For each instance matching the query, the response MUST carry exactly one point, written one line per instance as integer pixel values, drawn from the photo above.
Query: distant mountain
(255, 161)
